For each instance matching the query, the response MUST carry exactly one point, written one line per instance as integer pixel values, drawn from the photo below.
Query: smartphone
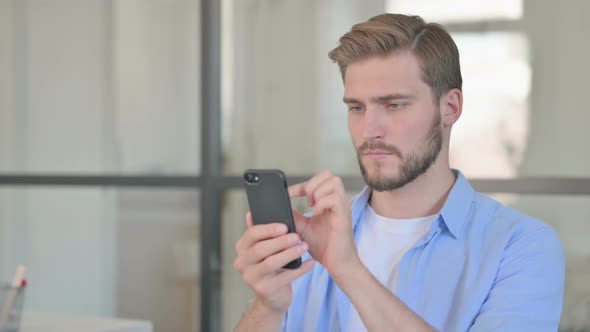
(268, 198)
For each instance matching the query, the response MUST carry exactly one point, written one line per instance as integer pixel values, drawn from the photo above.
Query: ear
(451, 107)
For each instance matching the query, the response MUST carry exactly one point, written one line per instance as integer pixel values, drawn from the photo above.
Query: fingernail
(281, 228)
(293, 238)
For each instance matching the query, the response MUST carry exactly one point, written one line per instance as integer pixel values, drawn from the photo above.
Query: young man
(418, 249)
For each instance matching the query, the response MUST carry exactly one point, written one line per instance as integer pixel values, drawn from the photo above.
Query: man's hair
(385, 34)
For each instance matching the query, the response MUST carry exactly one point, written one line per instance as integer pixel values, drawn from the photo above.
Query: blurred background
(126, 124)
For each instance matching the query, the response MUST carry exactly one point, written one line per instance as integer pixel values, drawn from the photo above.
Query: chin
(382, 169)
(384, 177)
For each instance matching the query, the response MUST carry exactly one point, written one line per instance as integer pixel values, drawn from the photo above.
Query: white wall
(98, 87)
(55, 91)
(156, 85)
(558, 31)
(7, 134)
(558, 142)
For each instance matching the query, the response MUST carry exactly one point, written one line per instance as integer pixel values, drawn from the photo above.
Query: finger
(324, 204)
(297, 190)
(338, 185)
(324, 189)
(313, 183)
(268, 284)
(267, 248)
(249, 222)
(258, 233)
(276, 262)
(287, 276)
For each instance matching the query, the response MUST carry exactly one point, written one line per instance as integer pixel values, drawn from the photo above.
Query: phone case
(269, 201)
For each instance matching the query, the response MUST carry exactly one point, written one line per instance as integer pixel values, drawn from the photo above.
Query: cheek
(412, 129)
(407, 133)
(355, 130)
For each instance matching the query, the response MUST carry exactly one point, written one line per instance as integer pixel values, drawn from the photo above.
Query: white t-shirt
(382, 242)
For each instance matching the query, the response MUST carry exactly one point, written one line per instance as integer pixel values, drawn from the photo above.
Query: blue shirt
(481, 267)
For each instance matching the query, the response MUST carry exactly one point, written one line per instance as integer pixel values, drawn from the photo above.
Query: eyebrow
(380, 99)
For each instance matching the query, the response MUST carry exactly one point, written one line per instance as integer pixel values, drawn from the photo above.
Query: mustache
(375, 145)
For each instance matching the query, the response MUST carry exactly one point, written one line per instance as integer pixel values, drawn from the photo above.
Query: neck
(422, 197)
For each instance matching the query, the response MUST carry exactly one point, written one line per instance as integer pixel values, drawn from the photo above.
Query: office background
(125, 126)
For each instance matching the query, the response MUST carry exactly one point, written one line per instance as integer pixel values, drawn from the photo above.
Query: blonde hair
(385, 34)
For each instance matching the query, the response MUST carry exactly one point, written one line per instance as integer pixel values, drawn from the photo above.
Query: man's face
(393, 120)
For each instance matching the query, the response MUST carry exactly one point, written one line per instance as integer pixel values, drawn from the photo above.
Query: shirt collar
(454, 211)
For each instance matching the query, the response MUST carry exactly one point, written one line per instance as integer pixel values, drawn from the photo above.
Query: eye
(394, 106)
(355, 109)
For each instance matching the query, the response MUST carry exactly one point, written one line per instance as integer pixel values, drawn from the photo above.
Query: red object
(23, 283)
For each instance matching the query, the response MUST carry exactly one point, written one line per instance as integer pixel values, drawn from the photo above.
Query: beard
(412, 165)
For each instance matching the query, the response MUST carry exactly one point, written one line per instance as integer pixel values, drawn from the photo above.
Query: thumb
(249, 222)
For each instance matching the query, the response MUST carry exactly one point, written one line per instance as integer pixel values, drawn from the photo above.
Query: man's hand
(262, 252)
(331, 242)
(329, 230)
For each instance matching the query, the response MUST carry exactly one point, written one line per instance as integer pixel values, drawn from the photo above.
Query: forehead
(381, 75)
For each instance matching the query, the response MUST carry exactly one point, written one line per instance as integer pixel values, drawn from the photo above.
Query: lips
(376, 153)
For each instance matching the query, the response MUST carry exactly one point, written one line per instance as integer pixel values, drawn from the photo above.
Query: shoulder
(494, 221)
(526, 266)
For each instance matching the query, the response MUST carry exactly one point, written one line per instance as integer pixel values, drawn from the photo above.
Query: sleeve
(527, 294)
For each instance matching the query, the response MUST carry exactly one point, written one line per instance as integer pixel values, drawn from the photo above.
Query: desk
(49, 322)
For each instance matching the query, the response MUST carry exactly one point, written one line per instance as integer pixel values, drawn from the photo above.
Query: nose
(373, 125)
